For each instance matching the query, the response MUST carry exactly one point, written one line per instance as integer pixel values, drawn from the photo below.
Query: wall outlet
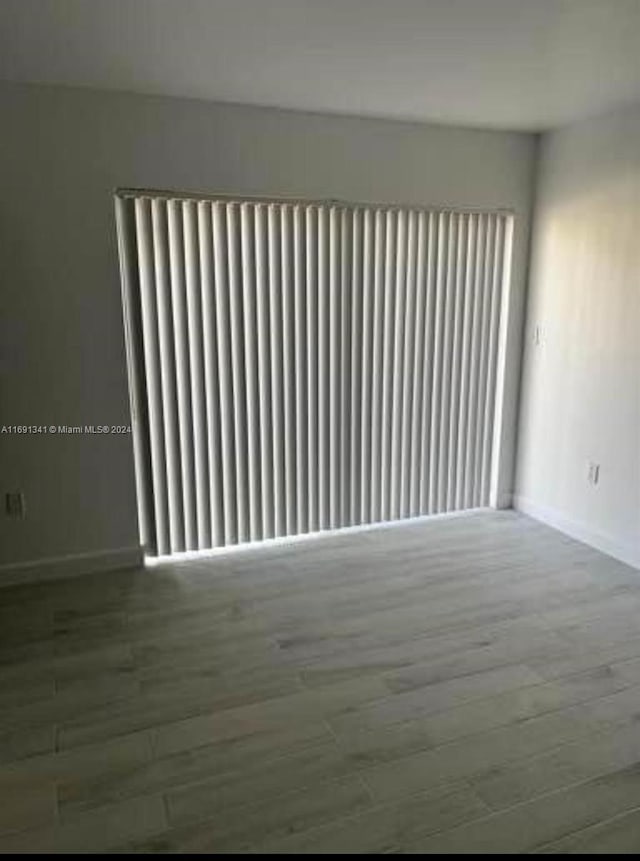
(15, 504)
(593, 473)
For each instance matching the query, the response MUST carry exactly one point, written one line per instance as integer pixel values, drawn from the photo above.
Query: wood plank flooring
(461, 685)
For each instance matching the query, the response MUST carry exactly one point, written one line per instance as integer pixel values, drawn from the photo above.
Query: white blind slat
(149, 336)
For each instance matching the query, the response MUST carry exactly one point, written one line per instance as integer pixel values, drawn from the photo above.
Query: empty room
(320, 426)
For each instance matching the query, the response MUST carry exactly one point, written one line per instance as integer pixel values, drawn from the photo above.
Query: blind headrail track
(224, 197)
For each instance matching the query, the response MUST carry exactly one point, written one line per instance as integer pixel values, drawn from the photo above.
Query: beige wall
(62, 153)
(581, 387)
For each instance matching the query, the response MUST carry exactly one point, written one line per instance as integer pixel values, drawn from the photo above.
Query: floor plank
(465, 684)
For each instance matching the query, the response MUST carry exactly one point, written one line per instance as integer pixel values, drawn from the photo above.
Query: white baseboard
(74, 565)
(580, 531)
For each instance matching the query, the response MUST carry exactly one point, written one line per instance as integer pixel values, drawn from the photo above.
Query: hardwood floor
(460, 685)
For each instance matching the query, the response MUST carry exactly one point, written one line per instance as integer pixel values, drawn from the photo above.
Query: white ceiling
(520, 64)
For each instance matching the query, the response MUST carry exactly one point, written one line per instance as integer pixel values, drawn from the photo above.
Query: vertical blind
(296, 367)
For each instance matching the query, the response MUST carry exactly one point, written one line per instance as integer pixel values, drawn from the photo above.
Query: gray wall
(62, 153)
(581, 386)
